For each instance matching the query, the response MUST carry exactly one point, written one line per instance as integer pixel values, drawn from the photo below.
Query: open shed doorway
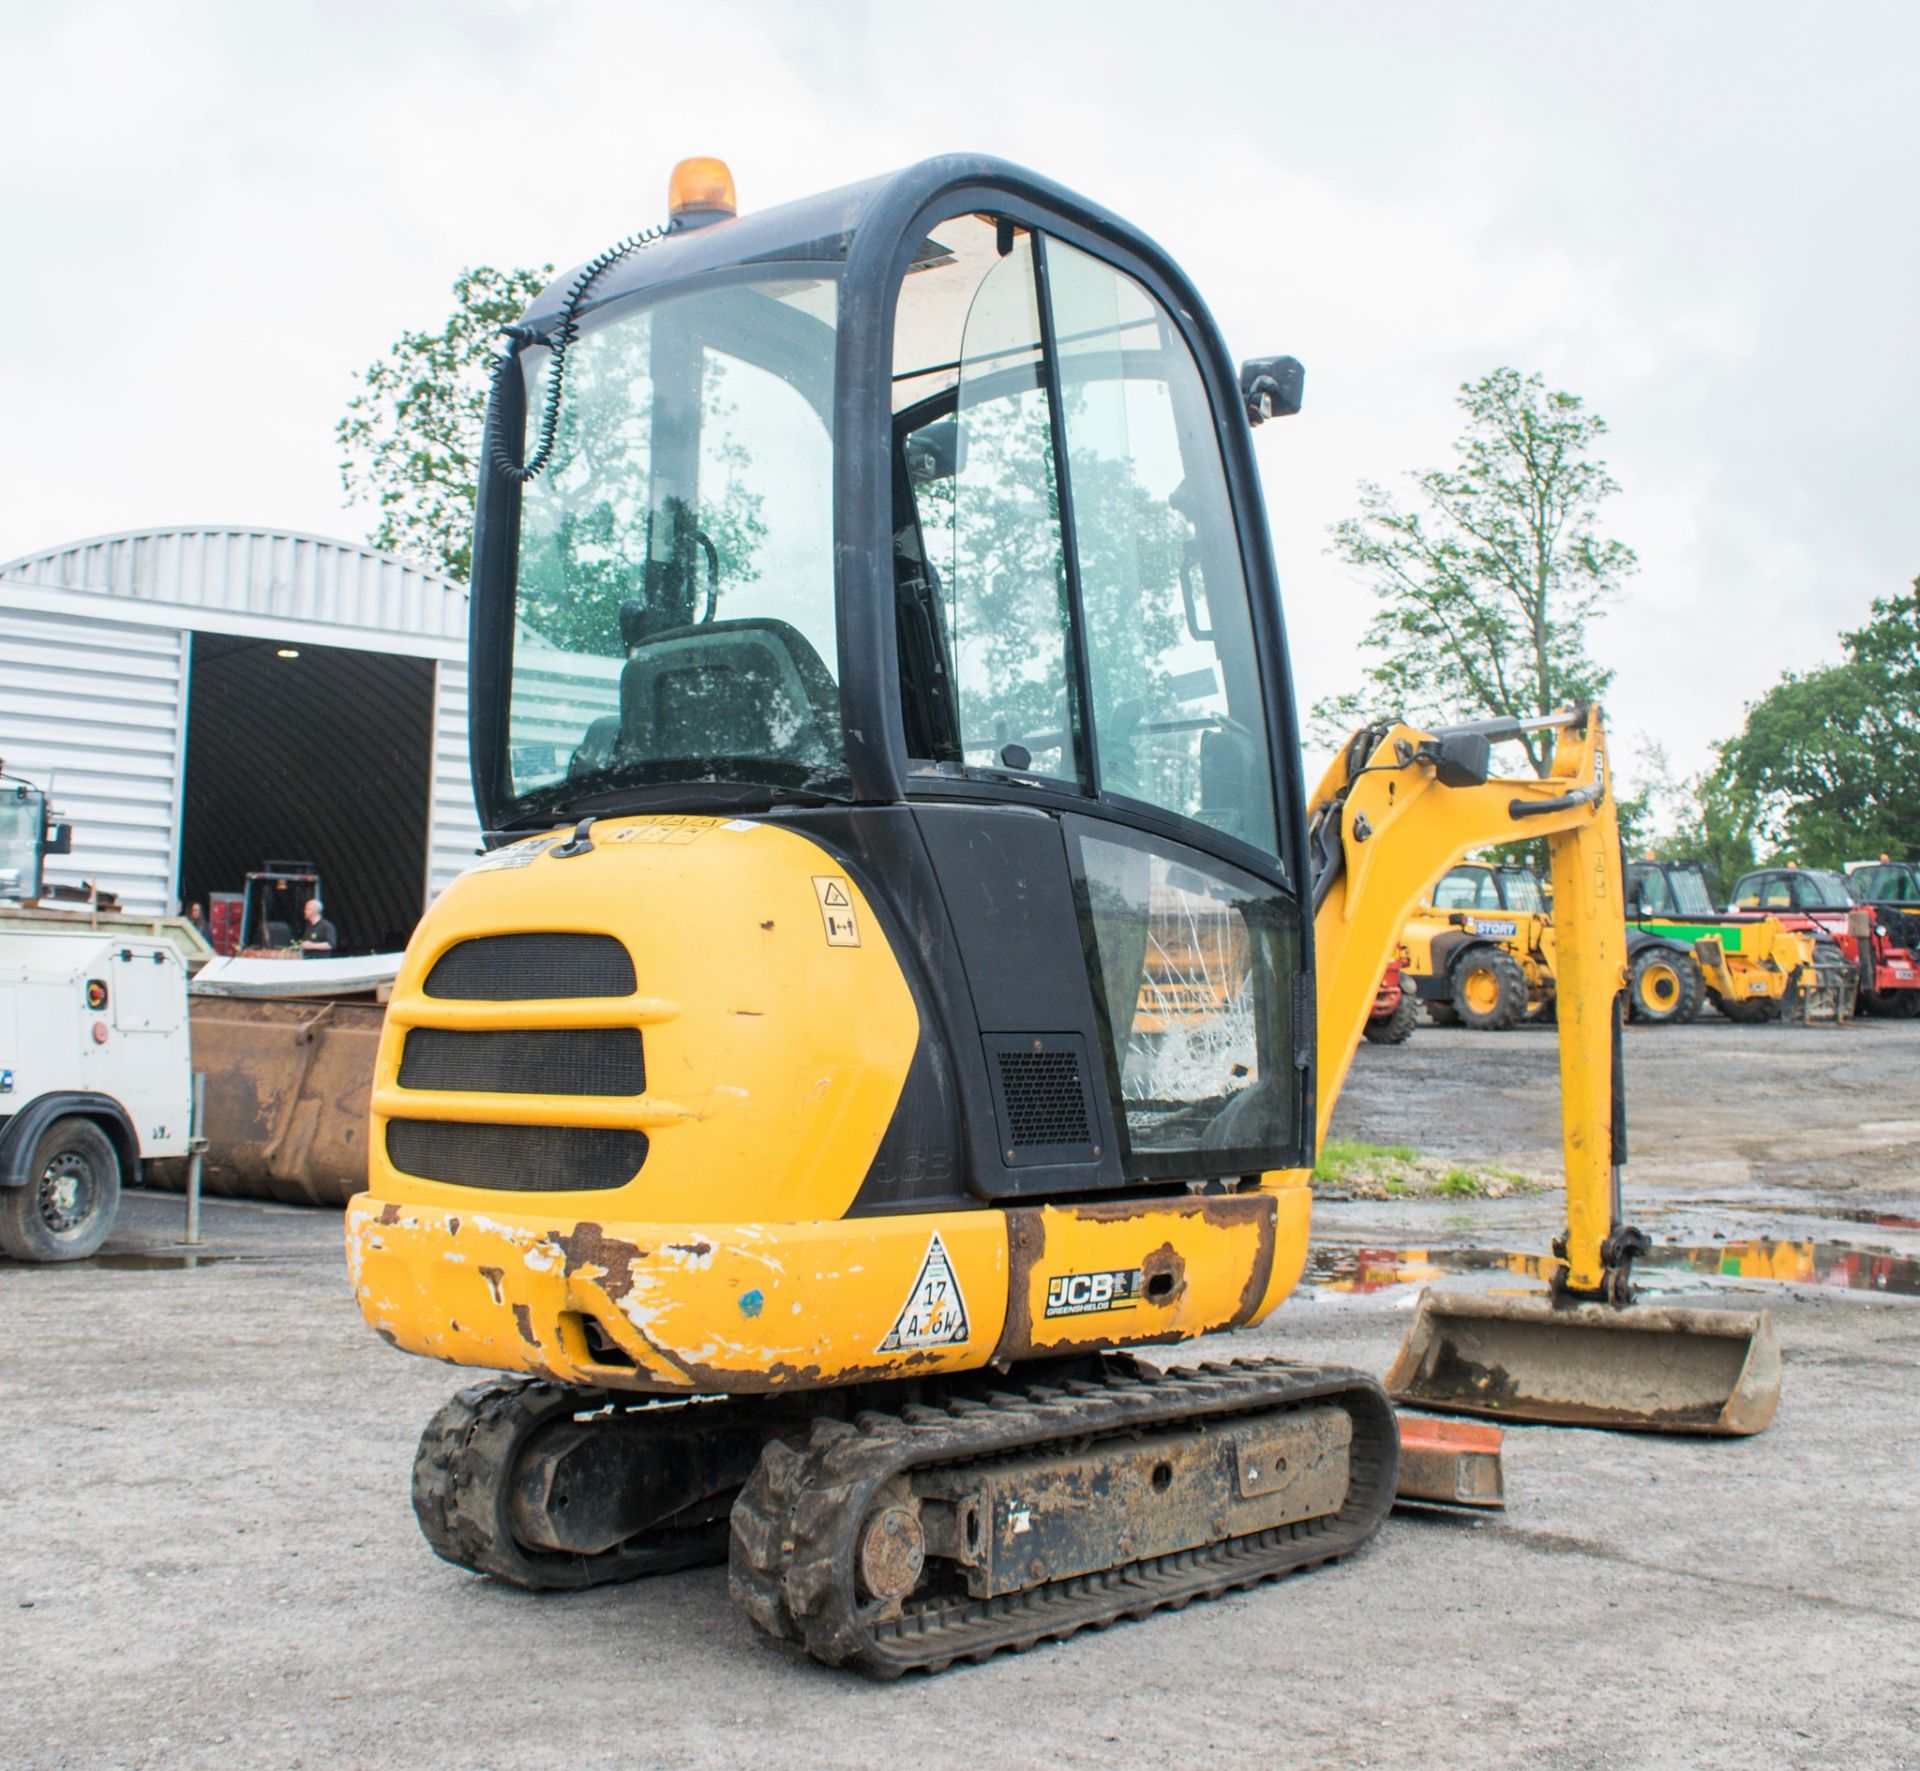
(311, 753)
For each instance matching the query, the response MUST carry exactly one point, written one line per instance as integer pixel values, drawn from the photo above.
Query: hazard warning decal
(836, 911)
(935, 1314)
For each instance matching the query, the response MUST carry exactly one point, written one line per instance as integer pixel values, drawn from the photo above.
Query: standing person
(196, 914)
(317, 939)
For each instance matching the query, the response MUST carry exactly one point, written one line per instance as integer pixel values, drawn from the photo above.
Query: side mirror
(1460, 759)
(59, 839)
(1272, 387)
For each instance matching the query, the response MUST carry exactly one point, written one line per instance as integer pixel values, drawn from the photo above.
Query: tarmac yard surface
(208, 1556)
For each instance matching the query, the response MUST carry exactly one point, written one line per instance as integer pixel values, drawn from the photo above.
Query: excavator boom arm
(1395, 810)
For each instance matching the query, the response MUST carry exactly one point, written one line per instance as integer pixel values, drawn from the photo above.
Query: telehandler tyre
(1664, 987)
(1891, 1005)
(66, 1210)
(1749, 1013)
(1489, 990)
(1397, 1028)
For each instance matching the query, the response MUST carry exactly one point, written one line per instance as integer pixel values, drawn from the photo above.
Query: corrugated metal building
(198, 701)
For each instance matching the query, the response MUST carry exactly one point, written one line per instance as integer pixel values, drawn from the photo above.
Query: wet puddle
(1832, 1264)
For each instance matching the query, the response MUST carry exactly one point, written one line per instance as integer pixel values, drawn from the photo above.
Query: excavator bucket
(1649, 1368)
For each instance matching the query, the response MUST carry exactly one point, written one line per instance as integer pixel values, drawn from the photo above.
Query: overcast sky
(1703, 219)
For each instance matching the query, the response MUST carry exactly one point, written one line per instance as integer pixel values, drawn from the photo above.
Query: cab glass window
(1690, 894)
(1466, 888)
(1192, 964)
(986, 645)
(1777, 894)
(1173, 671)
(23, 817)
(674, 616)
(1071, 602)
(1649, 885)
(1820, 890)
(1522, 892)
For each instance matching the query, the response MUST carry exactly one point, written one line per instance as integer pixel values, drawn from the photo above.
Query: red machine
(1878, 941)
(1395, 1010)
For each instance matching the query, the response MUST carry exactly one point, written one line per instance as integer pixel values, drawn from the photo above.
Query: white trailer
(95, 1075)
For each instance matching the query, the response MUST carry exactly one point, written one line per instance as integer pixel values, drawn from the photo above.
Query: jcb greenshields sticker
(1081, 1294)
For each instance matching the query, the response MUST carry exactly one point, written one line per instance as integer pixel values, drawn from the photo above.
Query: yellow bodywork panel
(738, 1308)
(778, 1033)
(777, 1041)
(686, 1307)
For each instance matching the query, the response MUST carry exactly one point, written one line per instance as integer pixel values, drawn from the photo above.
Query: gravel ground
(208, 1557)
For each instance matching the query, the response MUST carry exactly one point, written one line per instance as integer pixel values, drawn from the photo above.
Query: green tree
(1825, 766)
(1485, 588)
(411, 436)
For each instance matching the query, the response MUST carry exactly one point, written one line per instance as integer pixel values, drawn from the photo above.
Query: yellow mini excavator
(881, 715)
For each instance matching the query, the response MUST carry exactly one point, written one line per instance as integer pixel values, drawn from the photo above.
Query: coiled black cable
(559, 342)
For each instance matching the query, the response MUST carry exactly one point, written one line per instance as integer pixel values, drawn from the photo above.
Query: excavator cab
(897, 981)
(923, 515)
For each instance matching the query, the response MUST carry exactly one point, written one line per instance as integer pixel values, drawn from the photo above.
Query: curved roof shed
(122, 654)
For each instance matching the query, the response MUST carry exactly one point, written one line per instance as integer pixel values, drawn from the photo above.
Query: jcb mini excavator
(877, 671)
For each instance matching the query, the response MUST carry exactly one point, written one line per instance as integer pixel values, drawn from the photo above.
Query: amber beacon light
(700, 191)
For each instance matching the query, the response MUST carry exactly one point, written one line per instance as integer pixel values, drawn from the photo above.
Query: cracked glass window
(1192, 963)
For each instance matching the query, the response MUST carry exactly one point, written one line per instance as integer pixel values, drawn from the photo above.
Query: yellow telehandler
(1480, 948)
(875, 653)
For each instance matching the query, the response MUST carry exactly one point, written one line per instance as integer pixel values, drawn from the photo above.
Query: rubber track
(794, 1525)
(461, 1479)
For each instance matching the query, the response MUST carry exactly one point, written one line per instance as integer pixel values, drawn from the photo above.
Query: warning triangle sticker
(935, 1314)
(835, 894)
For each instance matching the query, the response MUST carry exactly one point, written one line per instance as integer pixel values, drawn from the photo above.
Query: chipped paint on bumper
(678, 1308)
(748, 1308)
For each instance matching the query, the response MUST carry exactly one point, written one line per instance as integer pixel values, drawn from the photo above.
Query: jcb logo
(1080, 1294)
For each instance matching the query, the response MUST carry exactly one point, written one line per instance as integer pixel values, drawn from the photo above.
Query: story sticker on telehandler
(836, 910)
(935, 1314)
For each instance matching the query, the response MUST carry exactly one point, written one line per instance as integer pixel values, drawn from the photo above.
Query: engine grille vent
(1040, 1095)
(1045, 1104)
(526, 1061)
(516, 1158)
(532, 968)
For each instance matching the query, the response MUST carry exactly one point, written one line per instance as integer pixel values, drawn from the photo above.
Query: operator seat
(751, 687)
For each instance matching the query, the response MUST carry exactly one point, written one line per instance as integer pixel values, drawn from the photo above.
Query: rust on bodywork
(1026, 1248)
(1165, 1273)
(1260, 1274)
(588, 1245)
(523, 1320)
(1163, 1285)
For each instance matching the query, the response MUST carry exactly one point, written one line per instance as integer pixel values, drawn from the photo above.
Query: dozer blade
(1647, 1367)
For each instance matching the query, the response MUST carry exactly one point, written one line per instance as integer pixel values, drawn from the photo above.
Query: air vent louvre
(516, 1158)
(538, 967)
(526, 1061)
